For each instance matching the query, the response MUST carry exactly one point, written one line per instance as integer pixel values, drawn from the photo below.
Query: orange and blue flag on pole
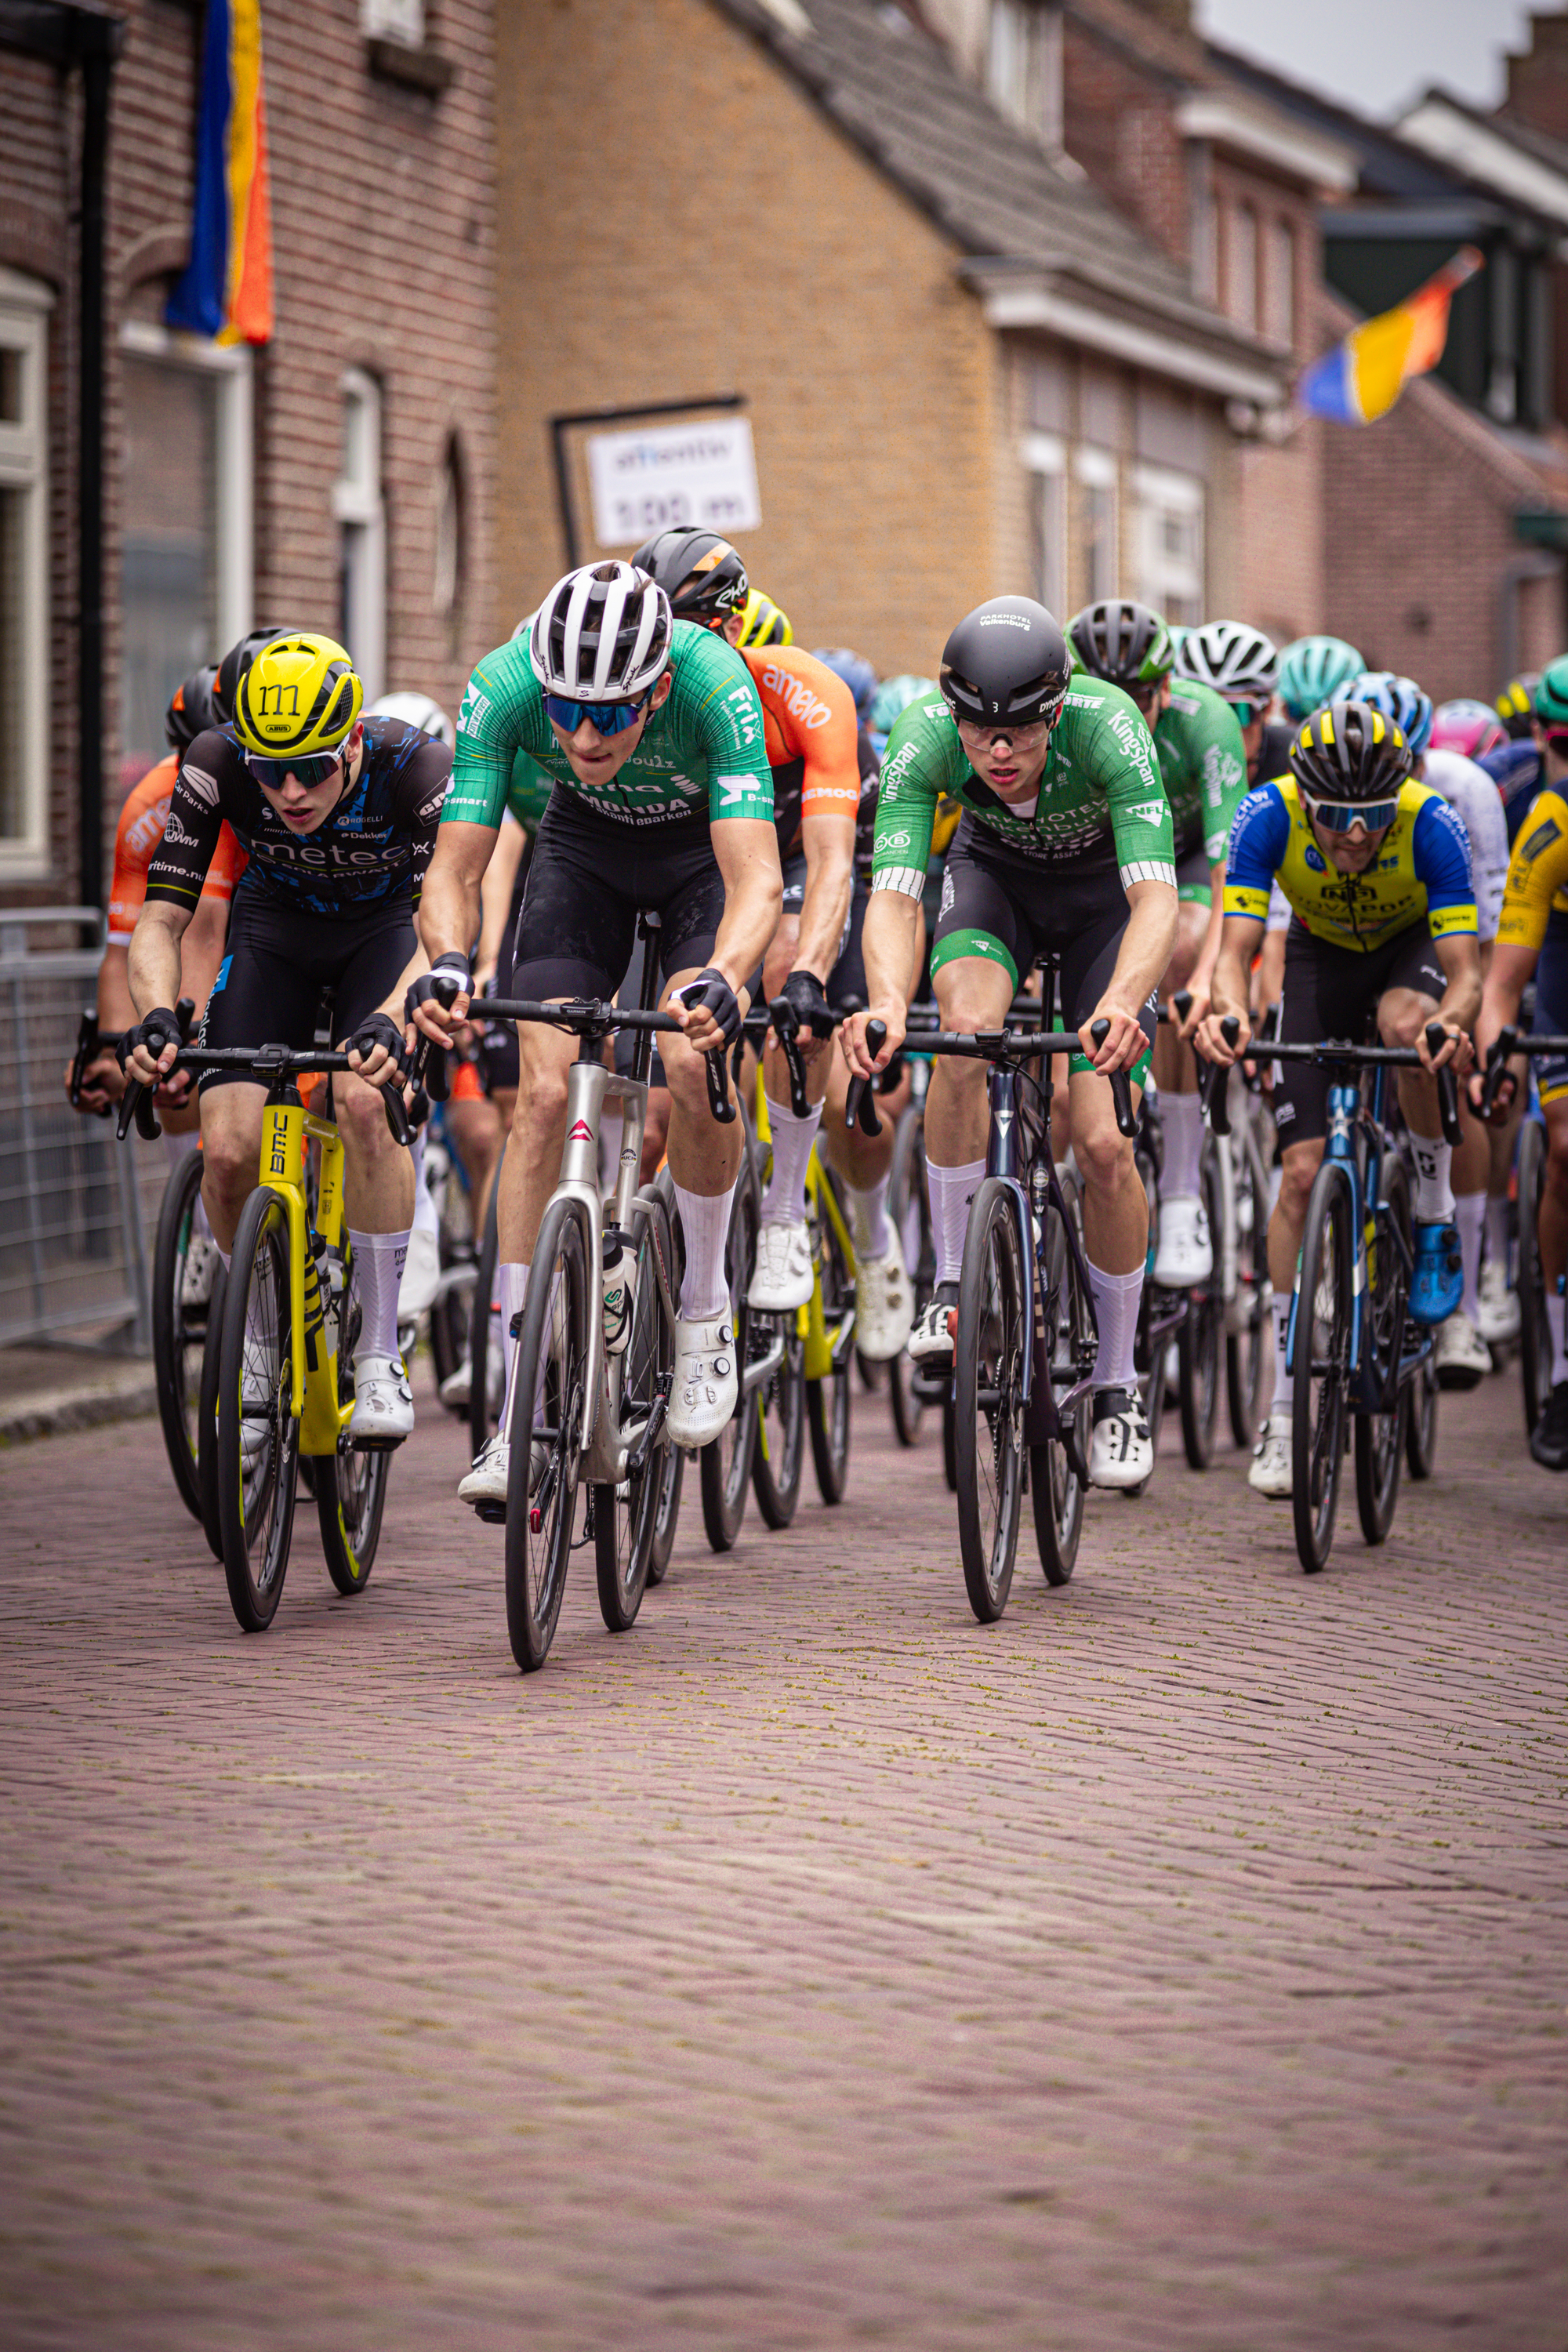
(226, 288)
(1359, 380)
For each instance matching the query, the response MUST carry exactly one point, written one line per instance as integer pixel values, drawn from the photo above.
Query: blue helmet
(856, 673)
(1313, 670)
(1399, 699)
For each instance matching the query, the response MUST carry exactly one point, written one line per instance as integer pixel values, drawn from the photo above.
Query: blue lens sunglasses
(310, 769)
(609, 717)
(1338, 816)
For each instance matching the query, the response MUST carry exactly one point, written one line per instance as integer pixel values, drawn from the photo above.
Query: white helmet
(1237, 660)
(416, 710)
(603, 635)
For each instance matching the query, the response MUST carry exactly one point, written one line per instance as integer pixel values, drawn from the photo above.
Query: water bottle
(618, 1290)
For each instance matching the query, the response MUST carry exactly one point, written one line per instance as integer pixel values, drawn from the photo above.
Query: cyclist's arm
(891, 944)
(154, 969)
(495, 895)
(827, 839)
(1232, 987)
(747, 851)
(449, 909)
(827, 737)
(1460, 957)
(1258, 842)
(1146, 951)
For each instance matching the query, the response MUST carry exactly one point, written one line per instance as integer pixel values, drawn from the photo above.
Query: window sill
(424, 70)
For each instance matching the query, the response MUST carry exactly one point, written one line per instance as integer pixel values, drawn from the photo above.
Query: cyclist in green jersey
(652, 734)
(1064, 849)
(1203, 761)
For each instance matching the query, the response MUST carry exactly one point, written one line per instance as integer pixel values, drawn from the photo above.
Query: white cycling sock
(951, 1190)
(1284, 1377)
(199, 1225)
(425, 1217)
(226, 1255)
(705, 1223)
(783, 1203)
(612, 1127)
(378, 1270)
(1470, 1215)
(1497, 1230)
(1182, 1122)
(1557, 1324)
(1116, 1297)
(513, 1280)
(1434, 1193)
(868, 1218)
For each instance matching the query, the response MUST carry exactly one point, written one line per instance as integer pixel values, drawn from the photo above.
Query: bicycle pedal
(374, 1445)
(492, 1514)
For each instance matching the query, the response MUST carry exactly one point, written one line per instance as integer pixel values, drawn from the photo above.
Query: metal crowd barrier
(77, 1214)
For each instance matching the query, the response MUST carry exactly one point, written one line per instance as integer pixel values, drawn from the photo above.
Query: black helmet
(191, 709)
(1350, 752)
(701, 573)
(1128, 644)
(233, 666)
(1007, 664)
(1515, 706)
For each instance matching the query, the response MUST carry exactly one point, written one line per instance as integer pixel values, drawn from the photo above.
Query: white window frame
(1045, 462)
(1024, 67)
(1158, 492)
(394, 20)
(235, 492)
(358, 505)
(25, 306)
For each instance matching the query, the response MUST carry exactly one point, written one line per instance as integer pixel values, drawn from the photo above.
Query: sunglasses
(609, 717)
(1557, 741)
(1245, 712)
(1338, 816)
(309, 770)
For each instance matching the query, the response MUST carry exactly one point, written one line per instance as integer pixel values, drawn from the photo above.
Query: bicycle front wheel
(257, 1435)
(1324, 1311)
(206, 1418)
(1056, 1488)
(624, 1515)
(988, 1399)
(778, 1460)
(1248, 1358)
(1200, 1338)
(725, 1464)
(548, 1406)
(827, 1400)
(908, 1211)
(1534, 1331)
(1151, 1348)
(179, 1332)
(483, 1373)
(1380, 1436)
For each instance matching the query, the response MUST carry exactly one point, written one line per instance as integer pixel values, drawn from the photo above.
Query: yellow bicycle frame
(287, 1130)
(811, 1324)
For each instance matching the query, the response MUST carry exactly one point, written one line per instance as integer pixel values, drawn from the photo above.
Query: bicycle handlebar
(785, 1023)
(860, 1103)
(269, 1063)
(1447, 1087)
(1506, 1044)
(590, 1016)
(1220, 1079)
(995, 1046)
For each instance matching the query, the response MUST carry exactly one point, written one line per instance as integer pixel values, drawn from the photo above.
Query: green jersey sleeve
(503, 711)
(1121, 759)
(1204, 761)
(923, 760)
(713, 718)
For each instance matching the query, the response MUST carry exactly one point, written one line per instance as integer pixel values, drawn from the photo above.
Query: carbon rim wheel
(551, 1374)
(484, 1420)
(1534, 1332)
(725, 1465)
(1151, 1374)
(1055, 1491)
(1321, 1361)
(778, 1460)
(207, 1419)
(624, 1515)
(988, 1399)
(1380, 1436)
(1248, 1357)
(258, 1436)
(827, 1400)
(1200, 1340)
(908, 1210)
(179, 1333)
(351, 1484)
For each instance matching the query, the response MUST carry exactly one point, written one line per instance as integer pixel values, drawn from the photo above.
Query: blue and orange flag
(226, 288)
(1359, 380)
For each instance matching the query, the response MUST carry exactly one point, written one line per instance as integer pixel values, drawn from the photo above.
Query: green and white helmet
(1313, 671)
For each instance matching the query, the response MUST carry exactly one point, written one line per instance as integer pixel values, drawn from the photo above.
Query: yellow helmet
(762, 623)
(300, 696)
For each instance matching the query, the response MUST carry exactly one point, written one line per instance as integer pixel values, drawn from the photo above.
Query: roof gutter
(1014, 298)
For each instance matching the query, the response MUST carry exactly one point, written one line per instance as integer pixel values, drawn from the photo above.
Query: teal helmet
(892, 698)
(1550, 696)
(1313, 671)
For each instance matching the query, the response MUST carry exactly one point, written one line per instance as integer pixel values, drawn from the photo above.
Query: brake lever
(1220, 1079)
(1497, 1068)
(1447, 1087)
(718, 1101)
(1182, 1002)
(397, 1113)
(860, 1103)
(136, 1103)
(1120, 1087)
(429, 1069)
(786, 1029)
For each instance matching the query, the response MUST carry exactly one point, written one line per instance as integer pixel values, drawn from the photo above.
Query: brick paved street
(1183, 1962)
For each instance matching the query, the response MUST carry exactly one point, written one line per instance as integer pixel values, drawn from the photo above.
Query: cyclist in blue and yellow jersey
(1376, 868)
(1064, 849)
(337, 815)
(652, 734)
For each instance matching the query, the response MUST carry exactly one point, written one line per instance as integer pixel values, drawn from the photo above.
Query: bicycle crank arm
(757, 1374)
(643, 1446)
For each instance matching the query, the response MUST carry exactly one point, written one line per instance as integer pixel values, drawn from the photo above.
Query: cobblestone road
(1183, 1962)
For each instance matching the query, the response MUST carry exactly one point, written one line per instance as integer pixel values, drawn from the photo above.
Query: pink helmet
(1467, 725)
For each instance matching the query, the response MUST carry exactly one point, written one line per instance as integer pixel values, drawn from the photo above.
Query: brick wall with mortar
(382, 230)
(747, 245)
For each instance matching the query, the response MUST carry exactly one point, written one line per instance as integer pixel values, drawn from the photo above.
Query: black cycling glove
(379, 1029)
(807, 998)
(160, 1029)
(453, 965)
(713, 990)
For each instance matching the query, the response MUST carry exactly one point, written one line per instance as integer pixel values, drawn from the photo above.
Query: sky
(1377, 56)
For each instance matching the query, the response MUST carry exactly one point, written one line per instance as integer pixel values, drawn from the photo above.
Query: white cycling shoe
(486, 1481)
(1496, 1317)
(1121, 1450)
(1271, 1472)
(1186, 1253)
(884, 1303)
(383, 1402)
(782, 1278)
(421, 1275)
(706, 1384)
(932, 1337)
(1460, 1357)
(202, 1262)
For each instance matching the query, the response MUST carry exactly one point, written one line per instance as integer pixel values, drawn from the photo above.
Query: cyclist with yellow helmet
(337, 814)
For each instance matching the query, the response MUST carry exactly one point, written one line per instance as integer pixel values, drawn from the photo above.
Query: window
(185, 521)
(24, 305)
(1024, 67)
(1280, 316)
(1096, 471)
(362, 534)
(1045, 478)
(394, 20)
(1170, 542)
(1241, 265)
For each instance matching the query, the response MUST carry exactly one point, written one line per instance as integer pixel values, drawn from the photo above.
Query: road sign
(702, 474)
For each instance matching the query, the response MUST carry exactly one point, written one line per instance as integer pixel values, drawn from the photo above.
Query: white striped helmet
(1237, 660)
(603, 635)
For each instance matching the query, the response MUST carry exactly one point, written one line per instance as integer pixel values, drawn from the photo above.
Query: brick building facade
(338, 476)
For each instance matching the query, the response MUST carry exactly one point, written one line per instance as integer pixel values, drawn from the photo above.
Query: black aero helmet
(1006, 665)
(703, 575)
(1350, 752)
(190, 709)
(232, 668)
(1126, 643)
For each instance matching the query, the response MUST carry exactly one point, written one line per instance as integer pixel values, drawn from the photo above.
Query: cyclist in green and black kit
(1065, 847)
